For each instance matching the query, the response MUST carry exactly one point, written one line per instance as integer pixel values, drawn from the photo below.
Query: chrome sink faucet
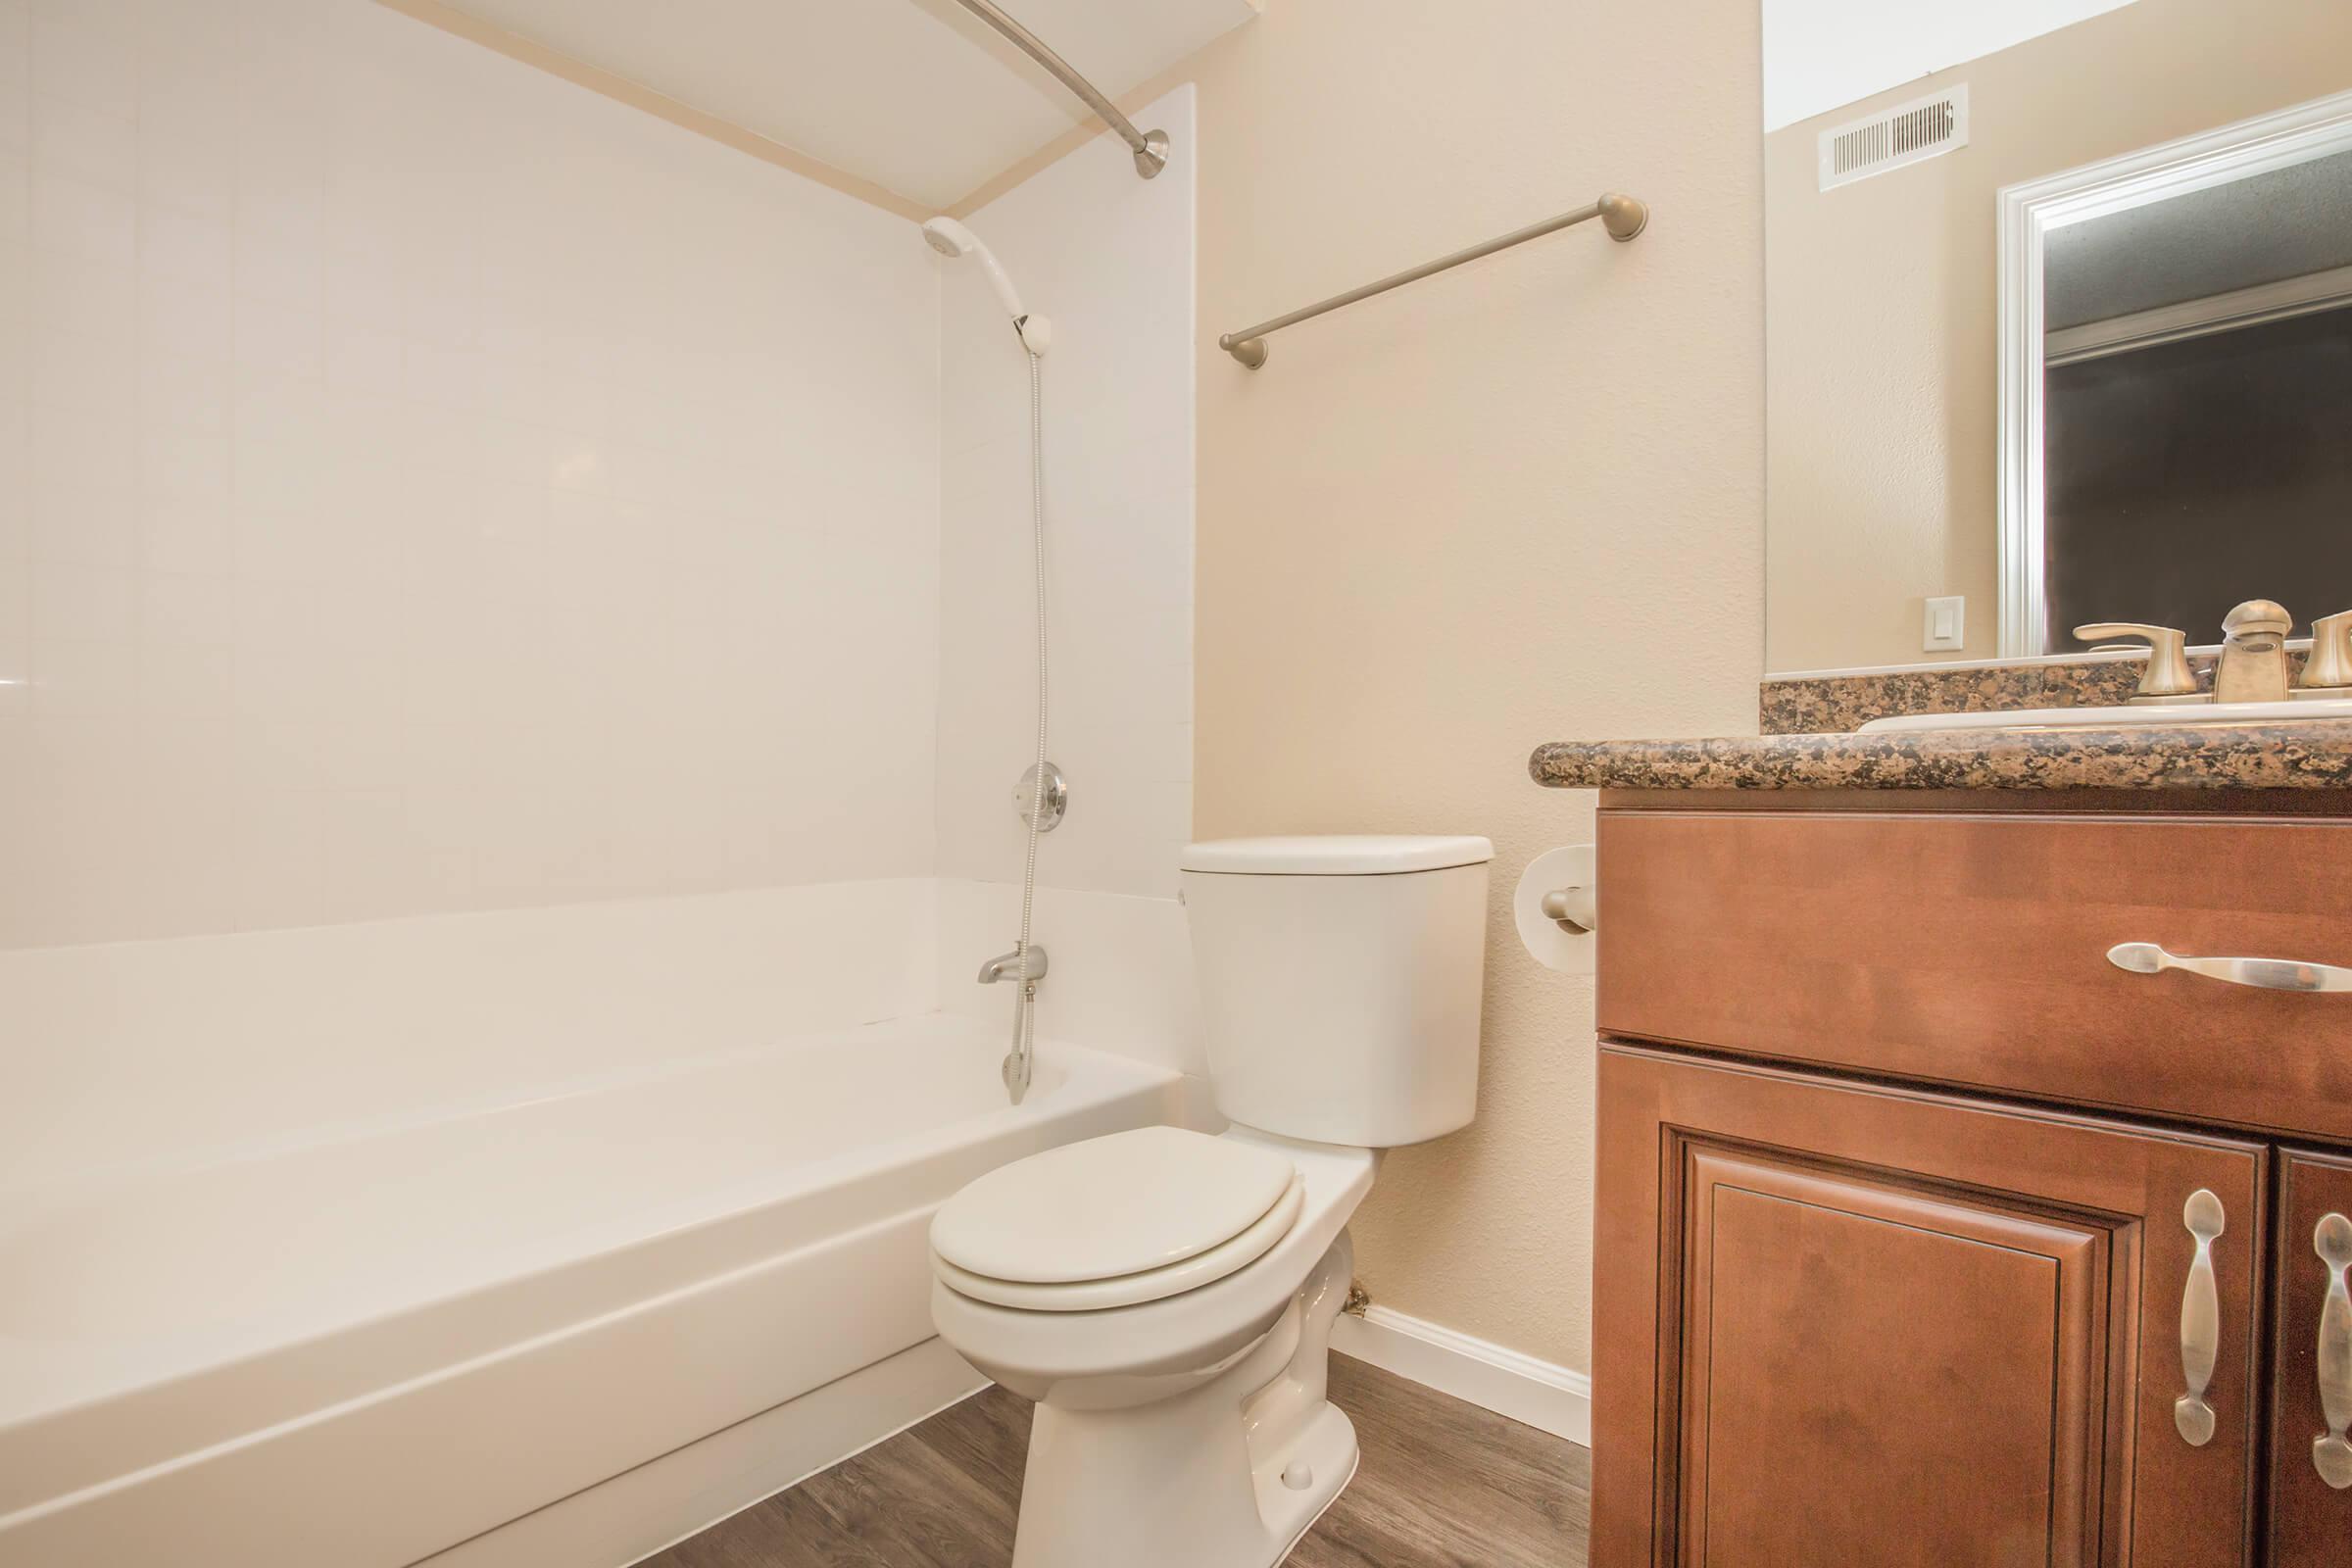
(2253, 662)
(2253, 665)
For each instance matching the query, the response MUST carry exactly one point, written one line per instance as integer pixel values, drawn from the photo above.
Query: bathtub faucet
(1014, 966)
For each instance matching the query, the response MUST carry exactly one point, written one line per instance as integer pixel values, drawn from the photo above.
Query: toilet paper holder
(1556, 907)
(1576, 908)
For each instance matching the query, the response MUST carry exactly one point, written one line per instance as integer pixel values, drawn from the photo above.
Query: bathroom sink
(2113, 718)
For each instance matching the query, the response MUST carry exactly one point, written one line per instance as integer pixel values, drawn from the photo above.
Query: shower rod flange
(1150, 147)
(1153, 156)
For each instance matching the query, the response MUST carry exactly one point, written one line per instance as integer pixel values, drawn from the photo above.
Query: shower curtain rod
(1150, 147)
(1622, 215)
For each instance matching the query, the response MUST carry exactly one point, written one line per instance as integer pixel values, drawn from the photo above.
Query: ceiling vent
(1924, 128)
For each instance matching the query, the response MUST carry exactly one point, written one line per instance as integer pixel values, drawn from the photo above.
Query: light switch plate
(1946, 625)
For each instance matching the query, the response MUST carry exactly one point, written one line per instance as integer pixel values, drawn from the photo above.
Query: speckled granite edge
(2314, 755)
(1821, 705)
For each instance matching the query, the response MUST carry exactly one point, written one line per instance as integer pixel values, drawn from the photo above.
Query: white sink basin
(2110, 718)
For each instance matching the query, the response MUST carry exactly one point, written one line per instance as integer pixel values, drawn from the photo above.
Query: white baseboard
(1538, 1393)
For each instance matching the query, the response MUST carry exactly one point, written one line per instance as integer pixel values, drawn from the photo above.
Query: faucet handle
(2330, 666)
(2168, 673)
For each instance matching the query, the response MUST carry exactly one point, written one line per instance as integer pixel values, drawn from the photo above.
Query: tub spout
(1017, 964)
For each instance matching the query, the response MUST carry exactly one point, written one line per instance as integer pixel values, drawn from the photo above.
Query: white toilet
(1168, 1296)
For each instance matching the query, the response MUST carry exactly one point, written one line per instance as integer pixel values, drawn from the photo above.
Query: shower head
(951, 240)
(955, 241)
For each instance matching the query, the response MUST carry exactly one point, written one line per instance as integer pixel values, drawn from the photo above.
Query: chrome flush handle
(2200, 1321)
(2267, 974)
(2330, 1453)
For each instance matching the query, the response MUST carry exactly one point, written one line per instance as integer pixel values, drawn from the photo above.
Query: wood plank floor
(1442, 1484)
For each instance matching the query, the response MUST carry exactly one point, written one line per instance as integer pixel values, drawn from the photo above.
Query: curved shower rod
(1151, 146)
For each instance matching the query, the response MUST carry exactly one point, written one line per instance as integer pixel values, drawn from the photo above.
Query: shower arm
(1150, 147)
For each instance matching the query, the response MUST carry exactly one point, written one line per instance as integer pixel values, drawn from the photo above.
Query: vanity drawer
(1973, 950)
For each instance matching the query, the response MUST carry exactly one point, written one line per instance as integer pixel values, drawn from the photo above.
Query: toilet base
(1329, 1450)
(1231, 1471)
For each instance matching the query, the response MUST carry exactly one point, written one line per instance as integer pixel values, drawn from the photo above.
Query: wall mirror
(2058, 321)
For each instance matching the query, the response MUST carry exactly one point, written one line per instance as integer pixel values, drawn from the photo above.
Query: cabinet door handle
(2200, 1321)
(2268, 974)
(2330, 1453)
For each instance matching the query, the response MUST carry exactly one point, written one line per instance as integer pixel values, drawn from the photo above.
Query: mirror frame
(2028, 212)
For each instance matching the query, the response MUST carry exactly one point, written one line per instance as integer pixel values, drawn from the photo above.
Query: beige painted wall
(1515, 504)
(1880, 306)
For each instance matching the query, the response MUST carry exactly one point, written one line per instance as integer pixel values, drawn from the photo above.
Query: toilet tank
(1340, 982)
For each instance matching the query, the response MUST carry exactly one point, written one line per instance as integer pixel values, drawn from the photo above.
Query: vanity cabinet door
(1844, 1324)
(2311, 1398)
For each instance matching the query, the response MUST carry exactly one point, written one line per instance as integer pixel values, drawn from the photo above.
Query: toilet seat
(1134, 1217)
(1130, 1290)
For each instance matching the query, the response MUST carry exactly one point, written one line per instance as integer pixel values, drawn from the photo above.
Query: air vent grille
(1924, 128)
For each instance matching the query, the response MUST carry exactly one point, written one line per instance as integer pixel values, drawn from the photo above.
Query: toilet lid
(1133, 1289)
(1109, 1207)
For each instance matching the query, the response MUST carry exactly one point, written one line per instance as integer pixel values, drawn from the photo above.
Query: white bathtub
(365, 1351)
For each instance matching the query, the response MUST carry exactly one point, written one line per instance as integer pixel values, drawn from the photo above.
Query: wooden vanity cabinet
(2311, 1520)
(1889, 1271)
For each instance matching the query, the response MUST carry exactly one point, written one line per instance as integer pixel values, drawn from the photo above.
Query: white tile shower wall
(1109, 260)
(1121, 975)
(429, 486)
(123, 1051)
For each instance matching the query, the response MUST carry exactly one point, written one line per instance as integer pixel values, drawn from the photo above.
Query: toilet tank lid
(1337, 855)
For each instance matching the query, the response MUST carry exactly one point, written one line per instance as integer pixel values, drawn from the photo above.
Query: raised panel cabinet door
(1838, 1323)
(2311, 1392)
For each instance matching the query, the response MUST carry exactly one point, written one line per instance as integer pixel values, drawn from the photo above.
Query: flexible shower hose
(1020, 1062)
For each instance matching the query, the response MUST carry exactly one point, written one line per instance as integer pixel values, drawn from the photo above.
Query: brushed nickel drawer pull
(2200, 1321)
(2330, 1453)
(2268, 974)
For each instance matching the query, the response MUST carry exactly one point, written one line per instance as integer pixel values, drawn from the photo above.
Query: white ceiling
(1821, 55)
(915, 95)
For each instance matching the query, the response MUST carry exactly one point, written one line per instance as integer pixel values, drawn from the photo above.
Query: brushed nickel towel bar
(1622, 215)
(1150, 147)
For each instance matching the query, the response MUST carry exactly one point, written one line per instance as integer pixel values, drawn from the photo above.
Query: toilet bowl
(1191, 1427)
(1168, 1296)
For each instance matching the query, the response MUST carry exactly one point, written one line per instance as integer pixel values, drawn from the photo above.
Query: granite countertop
(2300, 755)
